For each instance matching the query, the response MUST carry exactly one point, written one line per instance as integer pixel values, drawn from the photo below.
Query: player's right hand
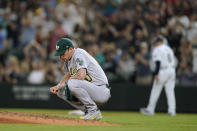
(54, 90)
(157, 78)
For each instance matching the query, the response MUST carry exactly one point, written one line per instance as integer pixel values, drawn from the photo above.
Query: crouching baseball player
(164, 75)
(84, 85)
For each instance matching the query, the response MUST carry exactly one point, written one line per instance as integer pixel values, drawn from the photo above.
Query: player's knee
(72, 83)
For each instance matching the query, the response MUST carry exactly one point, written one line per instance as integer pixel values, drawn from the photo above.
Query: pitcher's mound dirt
(26, 118)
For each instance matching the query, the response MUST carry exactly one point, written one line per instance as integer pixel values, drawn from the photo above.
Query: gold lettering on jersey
(74, 72)
(71, 71)
(88, 77)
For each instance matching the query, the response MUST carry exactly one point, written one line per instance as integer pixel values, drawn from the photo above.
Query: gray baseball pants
(88, 94)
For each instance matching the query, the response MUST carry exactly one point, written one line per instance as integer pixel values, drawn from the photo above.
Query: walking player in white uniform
(87, 84)
(164, 75)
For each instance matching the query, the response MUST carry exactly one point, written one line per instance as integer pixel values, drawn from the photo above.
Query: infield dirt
(27, 118)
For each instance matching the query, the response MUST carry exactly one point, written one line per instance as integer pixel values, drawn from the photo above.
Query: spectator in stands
(13, 32)
(126, 67)
(94, 51)
(125, 23)
(25, 70)
(34, 51)
(50, 72)
(57, 33)
(140, 34)
(12, 70)
(184, 74)
(3, 44)
(28, 31)
(2, 74)
(186, 55)
(192, 30)
(194, 60)
(143, 73)
(110, 64)
(37, 74)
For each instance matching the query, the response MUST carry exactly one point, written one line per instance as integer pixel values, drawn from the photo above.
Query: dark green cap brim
(58, 53)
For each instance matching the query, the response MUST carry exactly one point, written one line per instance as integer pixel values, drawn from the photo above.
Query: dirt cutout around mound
(27, 118)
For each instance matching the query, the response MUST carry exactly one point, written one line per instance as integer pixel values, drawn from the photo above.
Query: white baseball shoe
(172, 113)
(76, 112)
(145, 111)
(96, 115)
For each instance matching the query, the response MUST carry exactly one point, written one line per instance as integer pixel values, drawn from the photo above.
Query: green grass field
(129, 121)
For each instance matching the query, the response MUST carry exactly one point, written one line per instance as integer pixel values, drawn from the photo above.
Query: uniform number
(74, 72)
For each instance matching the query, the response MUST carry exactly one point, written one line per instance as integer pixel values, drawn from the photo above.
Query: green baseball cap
(62, 45)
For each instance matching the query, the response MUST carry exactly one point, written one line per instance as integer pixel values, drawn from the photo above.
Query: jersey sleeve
(81, 62)
(156, 56)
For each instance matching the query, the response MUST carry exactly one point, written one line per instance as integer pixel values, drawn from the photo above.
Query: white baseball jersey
(164, 54)
(81, 59)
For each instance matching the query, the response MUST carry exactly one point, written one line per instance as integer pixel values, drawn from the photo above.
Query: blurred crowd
(118, 33)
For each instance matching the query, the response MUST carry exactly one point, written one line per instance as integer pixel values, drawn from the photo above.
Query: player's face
(67, 55)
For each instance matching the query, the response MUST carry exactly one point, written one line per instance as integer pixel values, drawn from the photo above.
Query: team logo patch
(57, 47)
(79, 61)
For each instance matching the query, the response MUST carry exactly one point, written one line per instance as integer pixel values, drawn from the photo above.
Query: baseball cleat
(146, 112)
(171, 114)
(96, 115)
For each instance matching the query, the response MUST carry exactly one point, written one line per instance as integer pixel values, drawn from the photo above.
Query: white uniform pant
(167, 79)
(88, 94)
